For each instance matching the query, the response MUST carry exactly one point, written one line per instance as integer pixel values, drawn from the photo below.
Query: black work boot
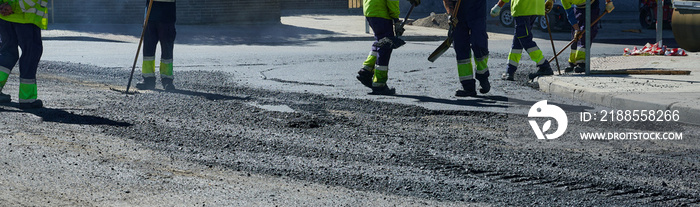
(543, 70)
(167, 84)
(5, 98)
(484, 82)
(33, 105)
(383, 90)
(580, 68)
(570, 68)
(508, 76)
(365, 77)
(147, 84)
(469, 89)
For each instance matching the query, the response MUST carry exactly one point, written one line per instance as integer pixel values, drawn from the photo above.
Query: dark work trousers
(522, 39)
(470, 35)
(159, 32)
(581, 17)
(28, 38)
(382, 28)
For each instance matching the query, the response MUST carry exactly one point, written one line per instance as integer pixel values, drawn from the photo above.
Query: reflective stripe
(368, 68)
(514, 58)
(532, 49)
(464, 61)
(373, 53)
(166, 61)
(536, 55)
(148, 75)
(572, 56)
(27, 90)
(465, 70)
(581, 55)
(27, 81)
(517, 51)
(5, 70)
(44, 3)
(148, 58)
(482, 65)
(381, 68)
(469, 77)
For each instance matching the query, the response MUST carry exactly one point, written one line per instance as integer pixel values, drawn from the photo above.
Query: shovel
(448, 42)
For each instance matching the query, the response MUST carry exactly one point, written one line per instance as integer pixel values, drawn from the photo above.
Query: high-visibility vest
(28, 11)
(520, 8)
(387, 9)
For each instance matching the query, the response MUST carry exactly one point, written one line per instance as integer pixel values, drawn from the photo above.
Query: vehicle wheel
(646, 18)
(505, 18)
(542, 22)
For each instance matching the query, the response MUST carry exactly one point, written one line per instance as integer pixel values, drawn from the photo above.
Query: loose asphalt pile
(458, 157)
(434, 20)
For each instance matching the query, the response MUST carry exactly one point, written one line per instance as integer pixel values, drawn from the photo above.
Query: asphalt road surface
(288, 125)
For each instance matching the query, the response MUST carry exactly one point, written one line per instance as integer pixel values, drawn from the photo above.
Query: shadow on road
(65, 117)
(208, 96)
(267, 34)
(492, 102)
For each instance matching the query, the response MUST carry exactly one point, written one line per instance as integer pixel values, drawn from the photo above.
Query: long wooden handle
(576, 38)
(143, 31)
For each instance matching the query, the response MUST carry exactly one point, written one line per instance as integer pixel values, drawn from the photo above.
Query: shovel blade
(440, 50)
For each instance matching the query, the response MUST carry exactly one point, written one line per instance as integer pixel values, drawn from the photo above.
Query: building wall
(314, 4)
(188, 11)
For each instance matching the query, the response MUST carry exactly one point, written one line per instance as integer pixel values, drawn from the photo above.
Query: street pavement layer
(633, 92)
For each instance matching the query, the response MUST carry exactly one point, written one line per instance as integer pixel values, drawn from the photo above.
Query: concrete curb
(689, 110)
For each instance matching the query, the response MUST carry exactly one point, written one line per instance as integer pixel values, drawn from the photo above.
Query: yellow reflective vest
(519, 8)
(387, 9)
(28, 11)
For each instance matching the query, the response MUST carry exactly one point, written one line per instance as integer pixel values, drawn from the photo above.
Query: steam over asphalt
(216, 142)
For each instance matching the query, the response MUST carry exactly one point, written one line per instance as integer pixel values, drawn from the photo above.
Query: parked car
(557, 19)
(648, 10)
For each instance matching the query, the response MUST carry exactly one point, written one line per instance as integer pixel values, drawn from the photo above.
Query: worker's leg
(29, 39)
(381, 28)
(9, 54)
(166, 35)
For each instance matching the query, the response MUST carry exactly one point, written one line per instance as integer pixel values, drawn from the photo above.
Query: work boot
(469, 87)
(484, 82)
(33, 105)
(147, 84)
(508, 76)
(167, 84)
(5, 98)
(543, 70)
(383, 90)
(570, 68)
(365, 77)
(580, 68)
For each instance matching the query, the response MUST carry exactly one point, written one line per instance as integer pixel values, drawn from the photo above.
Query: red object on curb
(655, 49)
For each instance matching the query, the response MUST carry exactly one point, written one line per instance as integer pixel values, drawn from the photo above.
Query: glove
(578, 34)
(6, 9)
(495, 11)
(548, 6)
(452, 21)
(414, 2)
(398, 28)
(609, 7)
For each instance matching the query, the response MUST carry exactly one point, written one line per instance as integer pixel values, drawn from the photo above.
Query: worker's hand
(609, 6)
(578, 34)
(6, 9)
(398, 28)
(575, 26)
(452, 20)
(414, 2)
(548, 6)
(495, 11)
